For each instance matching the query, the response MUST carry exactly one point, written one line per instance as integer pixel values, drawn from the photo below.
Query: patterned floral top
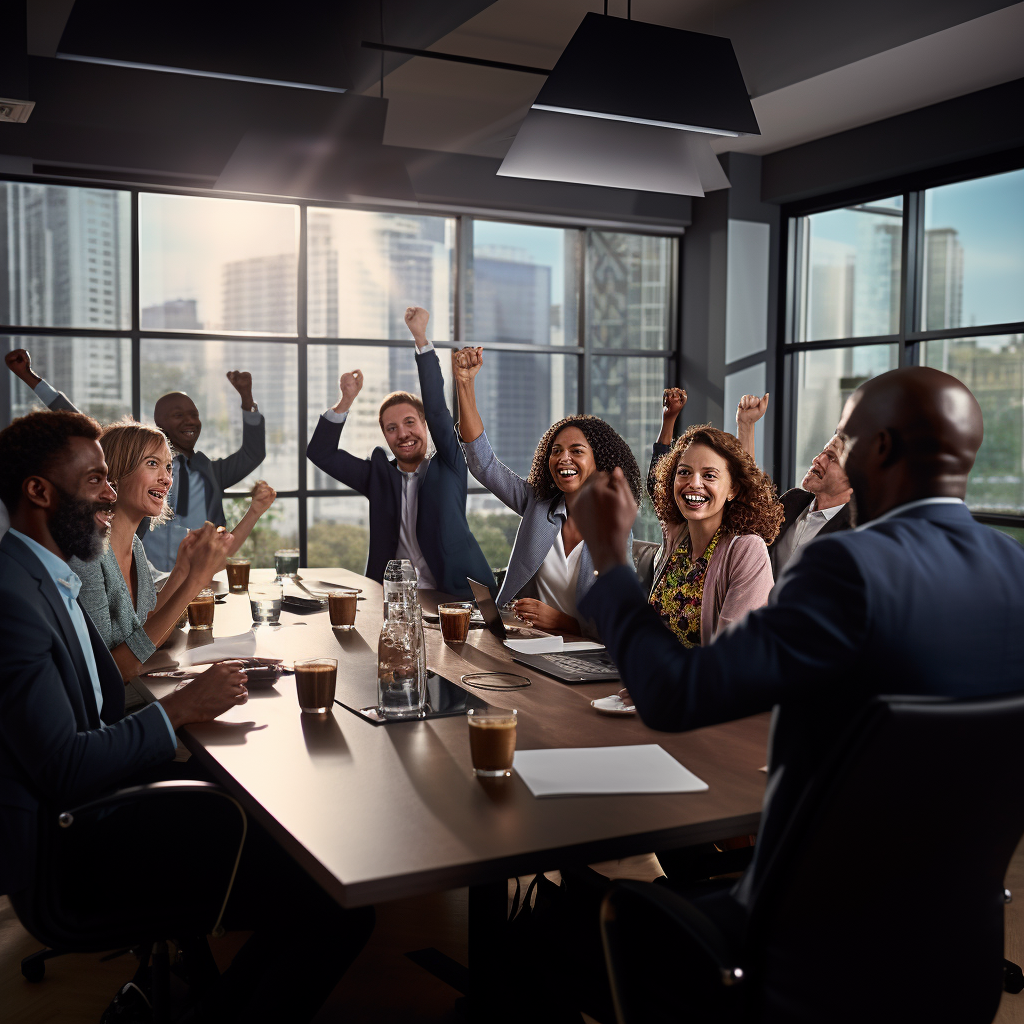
(678, 600)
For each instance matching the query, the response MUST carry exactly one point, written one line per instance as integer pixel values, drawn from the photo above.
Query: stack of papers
(581, 771)
(551, 645)
(222, 649)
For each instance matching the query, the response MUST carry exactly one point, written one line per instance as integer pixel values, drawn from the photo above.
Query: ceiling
(813, 68)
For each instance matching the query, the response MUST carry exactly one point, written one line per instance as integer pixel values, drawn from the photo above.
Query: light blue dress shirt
(68, 585)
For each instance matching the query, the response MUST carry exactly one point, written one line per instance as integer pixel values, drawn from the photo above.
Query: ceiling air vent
(15, 111)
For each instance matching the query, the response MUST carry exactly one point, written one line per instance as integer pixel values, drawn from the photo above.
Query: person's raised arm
(749, 410)
(19, 362)
(673, 401)
(416, 319)
(435, 409)
(241, 381)
(263, 496)
(232, 468)
(466, 363)
(323, 450)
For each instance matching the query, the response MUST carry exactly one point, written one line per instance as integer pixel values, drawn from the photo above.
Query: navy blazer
(927, 602)
(448, 546)
(55, 749)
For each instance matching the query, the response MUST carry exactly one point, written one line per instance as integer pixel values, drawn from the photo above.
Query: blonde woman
(117, 589)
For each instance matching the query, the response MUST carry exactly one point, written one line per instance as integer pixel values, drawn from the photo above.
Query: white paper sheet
(551, 645)
(241, 646)
(581, 771)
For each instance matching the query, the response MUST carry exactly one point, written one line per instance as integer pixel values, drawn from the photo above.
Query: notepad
(223, 648)
(583, 771)
(552, 645)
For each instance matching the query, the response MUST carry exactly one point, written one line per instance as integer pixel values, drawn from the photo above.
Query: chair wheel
(1013, 978)
(33, 970)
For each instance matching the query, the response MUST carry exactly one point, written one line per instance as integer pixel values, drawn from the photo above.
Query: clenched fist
(350, 384)
(19, 362)
(416, 318)
(751, 408)
(263, 496)
(673, 401)
(466, 363)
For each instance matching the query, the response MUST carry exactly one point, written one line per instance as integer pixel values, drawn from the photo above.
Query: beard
(73, 526)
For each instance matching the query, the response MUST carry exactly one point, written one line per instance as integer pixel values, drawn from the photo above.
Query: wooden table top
(388, 811)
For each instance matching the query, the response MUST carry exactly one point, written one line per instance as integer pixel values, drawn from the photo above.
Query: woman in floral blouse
(718, 513)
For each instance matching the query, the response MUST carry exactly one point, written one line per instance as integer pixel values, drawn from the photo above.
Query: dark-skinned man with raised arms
(890, 607)
(198, 482)
(64, 737)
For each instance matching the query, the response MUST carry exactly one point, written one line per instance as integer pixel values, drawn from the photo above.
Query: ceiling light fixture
(650, 75)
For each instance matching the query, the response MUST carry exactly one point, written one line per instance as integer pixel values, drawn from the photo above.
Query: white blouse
(556, 578)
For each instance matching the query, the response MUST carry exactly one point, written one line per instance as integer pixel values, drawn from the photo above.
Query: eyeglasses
(696, 571)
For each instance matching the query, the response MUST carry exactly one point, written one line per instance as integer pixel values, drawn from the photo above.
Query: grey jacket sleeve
(505, 485)
(232, 468)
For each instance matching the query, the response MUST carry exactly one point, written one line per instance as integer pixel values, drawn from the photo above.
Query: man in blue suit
(417, 503)
(886, 608)
(64, 738)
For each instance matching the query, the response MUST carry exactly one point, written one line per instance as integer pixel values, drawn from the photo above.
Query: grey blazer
(542, 519)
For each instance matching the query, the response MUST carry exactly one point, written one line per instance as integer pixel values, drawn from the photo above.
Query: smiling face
(143, 492)
(177, 416)
(702, 484)
(81, 516)
(406, 434)
(826, 477)
(571, 460)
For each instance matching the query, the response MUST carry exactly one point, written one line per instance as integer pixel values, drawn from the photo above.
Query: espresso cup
(238, 575)
(200, 610)
(454, 617)
(315, 683)
(492, 741)
(341, 604)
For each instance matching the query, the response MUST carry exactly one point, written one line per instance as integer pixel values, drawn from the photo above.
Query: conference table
(382, 812)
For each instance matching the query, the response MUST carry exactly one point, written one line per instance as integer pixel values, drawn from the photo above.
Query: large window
(572, 320)
(932, 277)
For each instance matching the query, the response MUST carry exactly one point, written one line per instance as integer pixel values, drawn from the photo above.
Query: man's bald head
(177, 416)
(908, 434)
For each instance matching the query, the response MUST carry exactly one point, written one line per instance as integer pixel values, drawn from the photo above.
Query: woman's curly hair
(609, 451)
(755, 509)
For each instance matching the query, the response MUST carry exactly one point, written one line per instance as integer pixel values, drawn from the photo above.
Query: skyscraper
(943, 279)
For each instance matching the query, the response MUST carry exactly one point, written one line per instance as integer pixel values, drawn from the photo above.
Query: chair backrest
(884, 898)
(644, 554)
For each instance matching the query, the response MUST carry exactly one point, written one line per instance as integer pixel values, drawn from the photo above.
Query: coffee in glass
(341, 604)
(238, 575)
(454, 617)
(315, 683)
(200, 610)
(492, 740)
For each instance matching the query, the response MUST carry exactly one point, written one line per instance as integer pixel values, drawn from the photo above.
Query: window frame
(582, 351)
(909, 337)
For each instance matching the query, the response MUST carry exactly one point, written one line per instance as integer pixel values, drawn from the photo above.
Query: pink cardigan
(739, 579)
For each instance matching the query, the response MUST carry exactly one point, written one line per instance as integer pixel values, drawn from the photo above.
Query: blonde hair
(125, 444)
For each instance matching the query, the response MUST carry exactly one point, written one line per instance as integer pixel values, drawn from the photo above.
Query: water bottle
(401, 654)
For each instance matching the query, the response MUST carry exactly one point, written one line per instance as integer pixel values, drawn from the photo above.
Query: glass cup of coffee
(265, 602)
(455, 616)
(341, 604)
(286, 563)
(238, 575)
(315, 682)
(200, 610)
(492, 741)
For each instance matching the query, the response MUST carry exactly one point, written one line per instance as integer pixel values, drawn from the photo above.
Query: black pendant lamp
(652, 75)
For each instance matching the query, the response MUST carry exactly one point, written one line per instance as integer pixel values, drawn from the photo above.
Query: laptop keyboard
(568, 663)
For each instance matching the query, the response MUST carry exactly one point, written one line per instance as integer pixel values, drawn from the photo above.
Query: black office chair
(644, 554)
(883, 901)
(131, 870)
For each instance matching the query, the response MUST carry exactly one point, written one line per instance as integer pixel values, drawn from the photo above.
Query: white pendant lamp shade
(616, 154)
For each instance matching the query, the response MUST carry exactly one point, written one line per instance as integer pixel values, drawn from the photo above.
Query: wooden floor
(382, 987)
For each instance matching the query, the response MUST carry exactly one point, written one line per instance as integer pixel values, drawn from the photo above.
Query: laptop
(585, 667)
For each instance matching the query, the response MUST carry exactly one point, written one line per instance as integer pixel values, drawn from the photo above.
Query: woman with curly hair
(718, 513)
(550, 568)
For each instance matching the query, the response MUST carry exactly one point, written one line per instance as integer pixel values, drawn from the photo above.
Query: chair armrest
(150, 791)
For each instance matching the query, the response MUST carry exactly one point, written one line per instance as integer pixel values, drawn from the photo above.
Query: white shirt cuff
(335, 417)
(429, 347)
(253, 418)
(170, 728)
(44, 392)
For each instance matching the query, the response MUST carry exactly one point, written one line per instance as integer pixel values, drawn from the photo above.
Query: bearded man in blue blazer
(417, 502)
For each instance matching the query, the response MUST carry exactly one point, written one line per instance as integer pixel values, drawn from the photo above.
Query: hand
(241, 381)
(542, 615)
(263, 496)
(350, 384)
(220, 688)
(604, 512)
(625, 697)
(416, 318)
(673, 401)
(19, 362)
(751, 409)
(209, 555)
(466, 363)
